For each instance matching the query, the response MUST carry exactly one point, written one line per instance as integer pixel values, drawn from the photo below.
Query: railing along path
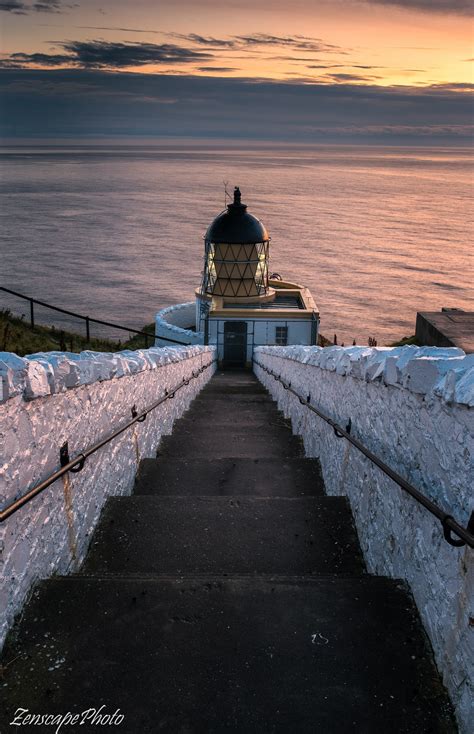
(449, 524)
(87, 319)
(77, 463)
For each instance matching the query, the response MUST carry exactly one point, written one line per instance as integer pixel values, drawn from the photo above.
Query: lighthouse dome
(236, 226)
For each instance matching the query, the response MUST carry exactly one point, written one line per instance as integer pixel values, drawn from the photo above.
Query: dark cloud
(20, 59)
(194, 37)
(340, 77)
(82, 103)
(463, 7)
(115, 28)
(302, 43)
(41, 6)
(343, 66)
(217, 68)
(14, 6)
(453, 86)
(47, 6)
(114, 55)
(297, 42)
(108, 55)
(120, 55)
(205, 40)
(294, 59)
(302, 6)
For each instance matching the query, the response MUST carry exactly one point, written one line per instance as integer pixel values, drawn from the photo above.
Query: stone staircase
(227, 594)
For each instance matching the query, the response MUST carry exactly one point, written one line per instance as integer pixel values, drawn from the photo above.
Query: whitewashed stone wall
(413, 407)
(51, 398)
(172, 321)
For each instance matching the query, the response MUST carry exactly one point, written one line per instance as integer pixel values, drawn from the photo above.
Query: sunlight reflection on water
(377, 234)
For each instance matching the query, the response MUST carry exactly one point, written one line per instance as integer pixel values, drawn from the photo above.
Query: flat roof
(450, 327)
(285, 302)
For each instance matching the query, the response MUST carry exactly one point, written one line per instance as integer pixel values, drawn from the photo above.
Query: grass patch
(323, 342)
(16, 335)
(406, 341)
(138, 341)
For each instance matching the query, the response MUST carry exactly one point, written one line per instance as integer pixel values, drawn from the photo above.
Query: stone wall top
(447, 373)
(164, 318)
(47, 373)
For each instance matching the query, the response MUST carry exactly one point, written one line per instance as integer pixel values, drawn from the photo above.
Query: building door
(235, 343)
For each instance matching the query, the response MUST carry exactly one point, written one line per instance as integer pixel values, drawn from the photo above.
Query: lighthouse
(238, 304)
(236, 254)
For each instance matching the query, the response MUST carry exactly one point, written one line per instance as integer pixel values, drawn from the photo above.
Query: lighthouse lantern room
(238, 305)
(236, 254)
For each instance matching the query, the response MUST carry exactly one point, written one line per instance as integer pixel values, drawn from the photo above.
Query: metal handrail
(77, 464)
(87, 319)
(447, 521)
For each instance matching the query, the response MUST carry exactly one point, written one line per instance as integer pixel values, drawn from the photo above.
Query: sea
(115, 231)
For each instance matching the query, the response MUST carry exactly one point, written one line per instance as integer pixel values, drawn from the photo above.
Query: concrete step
(246, 656)
(235, 377)
(230, 441)
(220, 385)
(223, 399)
(233, 381)
(233, 476)
(238, 535)
(254, 420)
(224, 384)
(211, 390)
(215, 412)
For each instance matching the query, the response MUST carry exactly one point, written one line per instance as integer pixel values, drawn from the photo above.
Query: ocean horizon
(114, 230)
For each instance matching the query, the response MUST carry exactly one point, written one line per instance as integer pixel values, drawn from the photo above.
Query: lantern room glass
(236, 270)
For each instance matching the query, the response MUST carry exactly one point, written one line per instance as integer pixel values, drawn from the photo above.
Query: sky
(391, 71)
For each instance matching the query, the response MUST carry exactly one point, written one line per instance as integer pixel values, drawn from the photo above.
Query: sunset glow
(411, 47)
(325, 42)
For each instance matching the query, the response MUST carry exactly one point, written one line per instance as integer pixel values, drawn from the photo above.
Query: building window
(281, 335)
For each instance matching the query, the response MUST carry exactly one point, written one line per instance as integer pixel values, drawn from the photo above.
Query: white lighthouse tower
(238, 305)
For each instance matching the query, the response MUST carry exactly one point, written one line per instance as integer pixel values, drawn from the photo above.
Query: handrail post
(88, 330)
(32, 313)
